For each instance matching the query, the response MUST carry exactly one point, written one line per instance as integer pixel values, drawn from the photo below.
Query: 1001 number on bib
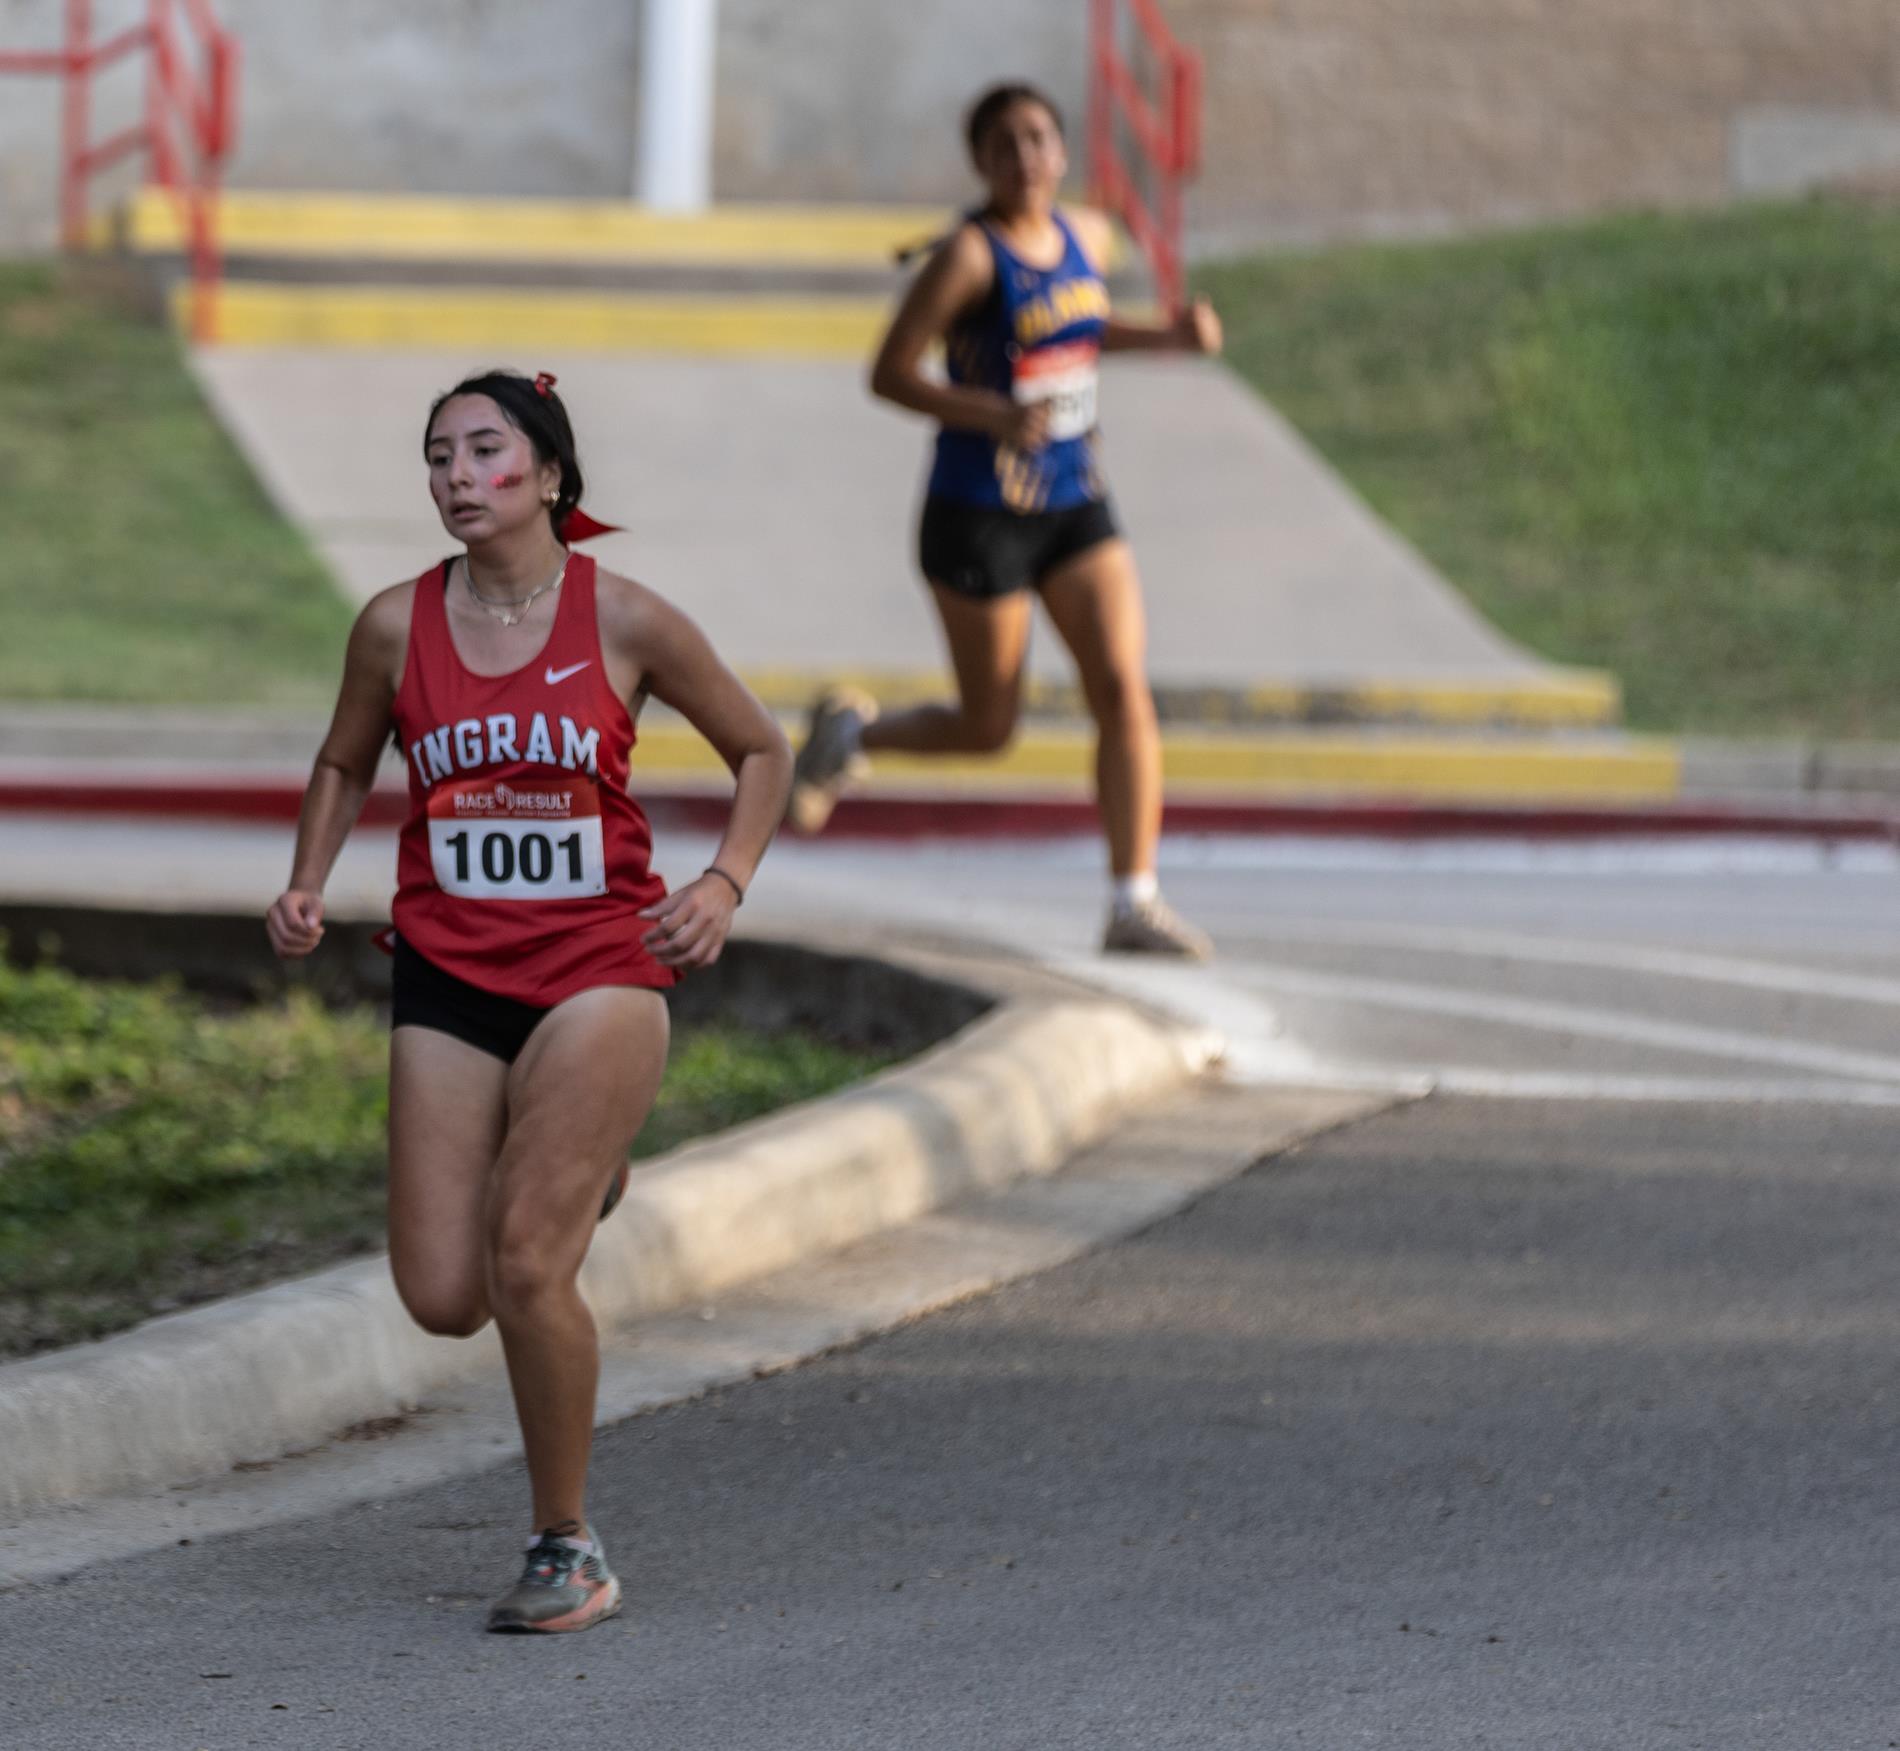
(488, 841)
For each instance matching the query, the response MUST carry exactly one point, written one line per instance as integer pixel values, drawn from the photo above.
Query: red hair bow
(578, 526)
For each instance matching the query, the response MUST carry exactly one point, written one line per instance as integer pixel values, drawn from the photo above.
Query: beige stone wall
(1325, 117)
(1332, 117)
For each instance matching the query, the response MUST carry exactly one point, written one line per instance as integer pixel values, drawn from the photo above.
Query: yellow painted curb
(1566, 699)
(447, 228)
(1569, 696)
(478, 320)
(1441, 768)
(400, 227)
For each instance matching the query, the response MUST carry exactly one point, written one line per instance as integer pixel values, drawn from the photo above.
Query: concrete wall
(440, 96)
(1355, 116)
(853, 99)
(865, 98)
(1325, 117)
(29, 127)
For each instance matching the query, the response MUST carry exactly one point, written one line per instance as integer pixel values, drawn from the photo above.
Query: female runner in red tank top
(533, 939)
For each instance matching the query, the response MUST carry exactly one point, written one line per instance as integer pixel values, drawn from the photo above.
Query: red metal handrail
(1166, 133)
(187, 133)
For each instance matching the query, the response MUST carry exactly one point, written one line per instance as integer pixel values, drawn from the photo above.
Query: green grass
(140, 560)
(156, 1152)
(1666, 446)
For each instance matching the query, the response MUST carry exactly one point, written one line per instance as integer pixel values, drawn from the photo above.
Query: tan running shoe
(832, 757)
(1155, 928)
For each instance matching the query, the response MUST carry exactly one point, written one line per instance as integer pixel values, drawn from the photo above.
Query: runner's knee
(443, 1311)
(526, 1265)
(989, 729)
(1120, 699)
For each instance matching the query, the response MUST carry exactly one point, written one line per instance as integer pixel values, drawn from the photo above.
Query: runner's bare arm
(646, 637)
(1195, 330)
(345, 768)
(957, 277)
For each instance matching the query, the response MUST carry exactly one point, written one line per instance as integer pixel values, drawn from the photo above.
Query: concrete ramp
(715, 368)
(776, 502)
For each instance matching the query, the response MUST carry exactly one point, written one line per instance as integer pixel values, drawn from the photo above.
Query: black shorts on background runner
(986, 551)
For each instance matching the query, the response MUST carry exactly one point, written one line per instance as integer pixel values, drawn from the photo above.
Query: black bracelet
(714, 869)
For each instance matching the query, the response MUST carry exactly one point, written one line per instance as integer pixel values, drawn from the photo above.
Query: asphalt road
(1555, 1410)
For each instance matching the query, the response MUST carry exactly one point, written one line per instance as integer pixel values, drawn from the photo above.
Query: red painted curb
(886, 815)
(140, 797)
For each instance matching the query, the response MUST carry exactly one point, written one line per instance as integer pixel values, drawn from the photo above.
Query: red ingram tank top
(524, 863)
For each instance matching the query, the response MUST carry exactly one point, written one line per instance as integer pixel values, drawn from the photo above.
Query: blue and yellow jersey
(1037, 337)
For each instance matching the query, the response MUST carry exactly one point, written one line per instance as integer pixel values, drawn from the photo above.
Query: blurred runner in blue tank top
(1016, 502)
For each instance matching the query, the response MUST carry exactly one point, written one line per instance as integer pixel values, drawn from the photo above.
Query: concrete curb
(1152, 1165)
(263, 1374)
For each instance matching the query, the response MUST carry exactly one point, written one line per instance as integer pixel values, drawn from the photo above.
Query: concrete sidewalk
(715, 367)
(774, 501)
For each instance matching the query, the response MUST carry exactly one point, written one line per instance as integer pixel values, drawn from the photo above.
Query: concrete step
(419, 272)
(433, 229)
(468, 321)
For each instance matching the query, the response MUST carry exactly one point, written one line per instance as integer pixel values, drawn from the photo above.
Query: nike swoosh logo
(554, 675)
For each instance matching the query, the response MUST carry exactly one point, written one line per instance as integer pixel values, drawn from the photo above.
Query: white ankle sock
(1129, 893)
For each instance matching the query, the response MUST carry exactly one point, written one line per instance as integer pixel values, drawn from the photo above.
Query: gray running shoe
(833, 755)
(564, 1587)
(1155, 928)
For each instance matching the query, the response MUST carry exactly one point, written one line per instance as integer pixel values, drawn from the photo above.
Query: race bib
(533, 840)
(1063, 377)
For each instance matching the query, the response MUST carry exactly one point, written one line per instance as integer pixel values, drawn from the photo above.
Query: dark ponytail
(532, 407)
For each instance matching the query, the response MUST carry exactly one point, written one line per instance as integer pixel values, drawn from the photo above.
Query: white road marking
(1261, 1049)
(1738, 854)
(1622, 957)
(1591, 1023)
(1560, 1085)
(1699, 1090)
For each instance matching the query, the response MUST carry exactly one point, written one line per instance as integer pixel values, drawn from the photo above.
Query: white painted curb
(263, 1374)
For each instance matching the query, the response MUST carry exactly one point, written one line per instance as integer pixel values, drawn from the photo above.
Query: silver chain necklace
(513, 613)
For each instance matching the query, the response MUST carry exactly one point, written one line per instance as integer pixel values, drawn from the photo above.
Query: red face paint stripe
(500, 480)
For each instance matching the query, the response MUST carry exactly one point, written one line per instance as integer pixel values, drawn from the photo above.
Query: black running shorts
(985, 551)
(423, 995)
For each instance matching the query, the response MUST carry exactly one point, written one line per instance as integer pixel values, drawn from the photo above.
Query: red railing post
(75, 122)
(1165, 130)
(220, 124)
(1101, 102)
(160, 94)
(1186, 96)
(188, 162)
